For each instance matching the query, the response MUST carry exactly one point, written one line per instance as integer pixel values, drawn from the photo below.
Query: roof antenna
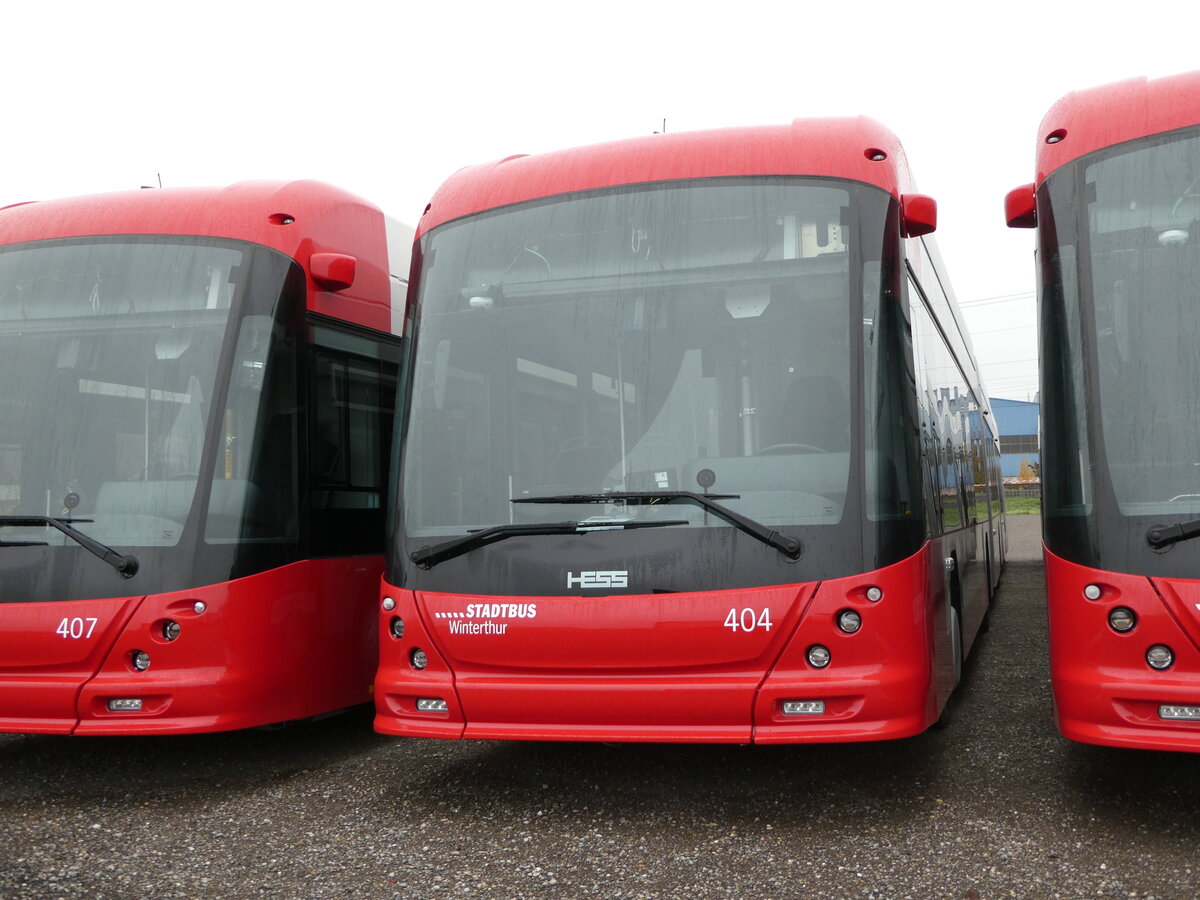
(664, 128)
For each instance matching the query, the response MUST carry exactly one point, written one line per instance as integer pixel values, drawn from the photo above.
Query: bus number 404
(76, 628)
(748, 620)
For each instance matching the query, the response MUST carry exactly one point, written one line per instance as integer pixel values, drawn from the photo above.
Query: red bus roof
(1089, 120)
(251, 211)
(835, 147)
(297, 218)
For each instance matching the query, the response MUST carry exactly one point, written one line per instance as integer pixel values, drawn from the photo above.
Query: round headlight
(171, 630)
(874, 594)
(389, 603)
(140, 660)
(418, 659)
(397, 627)
(199, 606)
(1092, 592)
(818, 656)
(1160, 656)
(1121, 619)
(849, 621)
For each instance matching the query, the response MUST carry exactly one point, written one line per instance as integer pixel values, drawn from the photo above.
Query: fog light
(397, 627)
(849, 621)
(803, 707)
(199, 606)
(418, 659)
(1092, 592)
(389, 604)
(818, 656)
(170, 630)
(140, 660)
(874, 594)
(1179, 712)
(1160, 657)
(125, 704)
(431, 704)
(1122, 619)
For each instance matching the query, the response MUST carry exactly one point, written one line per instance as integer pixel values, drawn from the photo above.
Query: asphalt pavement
(996, 805)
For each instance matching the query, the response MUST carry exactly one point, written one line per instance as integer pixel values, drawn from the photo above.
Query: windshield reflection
(665, 338)
(108, 353)
(1144, 235)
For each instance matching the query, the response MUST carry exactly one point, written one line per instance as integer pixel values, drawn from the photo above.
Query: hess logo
(587, 580)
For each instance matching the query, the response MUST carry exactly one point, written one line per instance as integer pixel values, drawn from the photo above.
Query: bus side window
(350, 430)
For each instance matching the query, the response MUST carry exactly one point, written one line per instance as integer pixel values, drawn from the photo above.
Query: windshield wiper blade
(124, 564)
(789, 547)
(1165, 535)
(429, 557)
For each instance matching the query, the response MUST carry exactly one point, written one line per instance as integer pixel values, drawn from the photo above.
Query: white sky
(387, 99)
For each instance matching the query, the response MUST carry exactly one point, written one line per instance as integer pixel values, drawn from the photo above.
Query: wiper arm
(124, 564)
(789, 547)
(1165, 535)
(429, 557)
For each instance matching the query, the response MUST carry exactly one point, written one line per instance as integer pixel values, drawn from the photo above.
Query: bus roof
(1092, 119)
(328, 218)
(833, 147)
(296, 218)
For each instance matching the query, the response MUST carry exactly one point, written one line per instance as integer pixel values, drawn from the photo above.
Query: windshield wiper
(126, 565)
(429, 557)
(1165, 535)
(789, 547)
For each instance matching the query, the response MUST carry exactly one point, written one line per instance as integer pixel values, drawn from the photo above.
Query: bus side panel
(249, 658)
(47, 652)
(345, 652)
(1104, 691)
(880, 682)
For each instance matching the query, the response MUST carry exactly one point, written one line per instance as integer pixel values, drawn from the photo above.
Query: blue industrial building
(1020, 439)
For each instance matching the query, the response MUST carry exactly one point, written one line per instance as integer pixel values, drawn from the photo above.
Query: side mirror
(918, 215)
(332, 271)
(1020, 209)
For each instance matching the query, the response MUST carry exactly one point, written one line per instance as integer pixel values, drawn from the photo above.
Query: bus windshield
(1143, 234)
(108, 355)
(691, 337)
(1132, 283)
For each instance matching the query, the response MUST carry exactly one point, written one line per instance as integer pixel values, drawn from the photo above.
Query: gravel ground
(996, 805)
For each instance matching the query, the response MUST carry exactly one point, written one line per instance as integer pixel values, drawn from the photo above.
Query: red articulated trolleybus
(1117, 208)
(194, 429)
(692, 448)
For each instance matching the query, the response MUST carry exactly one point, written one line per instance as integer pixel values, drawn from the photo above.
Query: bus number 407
(76, 628)
(748, 620)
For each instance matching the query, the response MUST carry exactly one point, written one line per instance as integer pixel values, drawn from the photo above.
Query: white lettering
(748, 620)
(602, 579)
(76, 628)
(457, 626)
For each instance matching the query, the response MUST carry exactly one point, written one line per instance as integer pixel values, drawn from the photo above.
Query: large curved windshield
(1121, 251)
(1144, 243)
(689, 337)
(108, 356)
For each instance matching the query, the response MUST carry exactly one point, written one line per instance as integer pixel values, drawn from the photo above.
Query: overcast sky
(387, 99)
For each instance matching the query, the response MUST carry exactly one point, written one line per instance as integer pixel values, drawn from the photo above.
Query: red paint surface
(1104, 691)
(665, 667)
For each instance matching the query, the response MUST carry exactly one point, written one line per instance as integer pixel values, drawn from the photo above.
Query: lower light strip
(803, 707)
(1179, 712)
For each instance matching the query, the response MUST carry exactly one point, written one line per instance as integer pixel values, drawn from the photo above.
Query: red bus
(194, 428)
(692, 448)
(1117, 206)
